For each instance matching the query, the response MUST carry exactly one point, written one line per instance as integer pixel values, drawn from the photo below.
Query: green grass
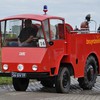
(5, 80)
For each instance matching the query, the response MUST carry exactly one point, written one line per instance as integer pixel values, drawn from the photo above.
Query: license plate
(18, 75)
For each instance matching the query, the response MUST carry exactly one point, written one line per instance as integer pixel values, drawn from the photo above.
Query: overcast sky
(74, 11)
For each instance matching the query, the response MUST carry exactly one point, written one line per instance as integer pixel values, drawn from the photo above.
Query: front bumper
(25, 75)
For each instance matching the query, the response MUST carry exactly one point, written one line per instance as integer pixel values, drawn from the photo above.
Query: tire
(47, 83)
(90, 74)
(20, 84)
(62, 84)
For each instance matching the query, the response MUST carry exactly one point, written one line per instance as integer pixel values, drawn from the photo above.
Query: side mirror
(51, 43)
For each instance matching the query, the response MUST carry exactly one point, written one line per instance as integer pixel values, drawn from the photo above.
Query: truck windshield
(22, 33)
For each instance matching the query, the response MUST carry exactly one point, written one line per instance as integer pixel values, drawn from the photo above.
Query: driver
(27, 34)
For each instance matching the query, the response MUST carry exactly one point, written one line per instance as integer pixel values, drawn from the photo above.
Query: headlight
(20, 67)
(34, 67)
(5, 67)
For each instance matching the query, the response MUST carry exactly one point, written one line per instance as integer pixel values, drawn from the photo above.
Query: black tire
(20, 84)
(62, 84)
(47, 83)
(90, 74)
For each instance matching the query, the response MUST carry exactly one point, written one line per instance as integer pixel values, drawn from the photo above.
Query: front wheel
(20, 84)
(62, 84)
(90, 74)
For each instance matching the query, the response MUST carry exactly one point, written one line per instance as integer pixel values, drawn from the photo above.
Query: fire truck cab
(58, 52)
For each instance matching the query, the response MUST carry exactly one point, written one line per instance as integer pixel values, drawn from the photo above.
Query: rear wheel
(90, 74)
(20, 84)
(62, 84)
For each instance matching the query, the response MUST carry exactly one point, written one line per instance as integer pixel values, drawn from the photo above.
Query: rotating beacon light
(45, 9)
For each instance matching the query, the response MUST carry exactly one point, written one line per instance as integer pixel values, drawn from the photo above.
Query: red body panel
(25, 56)
(79, 47)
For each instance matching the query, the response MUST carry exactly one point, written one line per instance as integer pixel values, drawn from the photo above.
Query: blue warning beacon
(45, 9)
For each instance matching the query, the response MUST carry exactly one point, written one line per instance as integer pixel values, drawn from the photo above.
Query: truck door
(56, 41)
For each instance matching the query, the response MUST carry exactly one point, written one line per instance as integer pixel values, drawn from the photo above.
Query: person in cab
(27, 34)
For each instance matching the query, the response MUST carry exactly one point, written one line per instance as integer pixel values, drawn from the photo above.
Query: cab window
(56, 29)
(10, 30)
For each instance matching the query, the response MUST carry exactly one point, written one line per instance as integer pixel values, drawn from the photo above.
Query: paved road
(36, 91)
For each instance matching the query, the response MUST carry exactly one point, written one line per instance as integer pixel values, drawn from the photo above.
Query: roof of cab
(31, 16)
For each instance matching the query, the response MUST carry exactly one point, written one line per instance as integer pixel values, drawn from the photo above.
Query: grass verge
(5, 80)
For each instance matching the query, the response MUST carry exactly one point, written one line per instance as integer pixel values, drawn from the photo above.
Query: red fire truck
(57, 53)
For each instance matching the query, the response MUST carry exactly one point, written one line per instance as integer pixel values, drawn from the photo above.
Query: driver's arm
(26, 41)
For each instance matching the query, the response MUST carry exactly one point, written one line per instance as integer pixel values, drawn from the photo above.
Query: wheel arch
(69, 67)
(63, 63)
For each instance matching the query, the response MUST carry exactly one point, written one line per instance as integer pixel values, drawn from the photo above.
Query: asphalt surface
(36, 91)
